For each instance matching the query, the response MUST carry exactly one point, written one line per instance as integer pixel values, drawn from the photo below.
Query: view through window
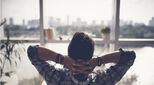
(65, 17)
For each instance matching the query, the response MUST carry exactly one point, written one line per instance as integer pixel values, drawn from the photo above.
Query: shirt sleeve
(112, 75)
(45, 69)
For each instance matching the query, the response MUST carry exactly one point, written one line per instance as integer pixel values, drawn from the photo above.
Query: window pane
(68, 16)
(137, 19)
(22, 20)
(22, 17)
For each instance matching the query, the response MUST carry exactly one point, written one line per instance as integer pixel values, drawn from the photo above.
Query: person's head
(81, 47)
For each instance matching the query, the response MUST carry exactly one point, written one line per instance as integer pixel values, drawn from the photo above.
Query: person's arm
(46, 54)
(124, 61)
(50, 55)
(108, 58)
(45, 69)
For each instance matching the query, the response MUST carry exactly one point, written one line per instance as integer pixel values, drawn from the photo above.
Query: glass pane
(137, 22)
(66, 17)
(137, 19)
(22, 17)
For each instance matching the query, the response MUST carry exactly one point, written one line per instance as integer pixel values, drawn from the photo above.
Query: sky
(140, 11)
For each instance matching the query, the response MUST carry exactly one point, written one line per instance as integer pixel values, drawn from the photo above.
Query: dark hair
(81, 47)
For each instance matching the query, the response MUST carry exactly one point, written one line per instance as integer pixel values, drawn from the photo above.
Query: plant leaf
(1, 71)
(19, 57)
(0, 60)
(3, 22)
(24, 49)
(15, 51)
(2, 46)
(10, 61)
(8, 74)
(15, 63)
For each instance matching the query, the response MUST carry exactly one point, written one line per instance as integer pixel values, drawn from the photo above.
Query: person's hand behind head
(126, 56)
(79, 66)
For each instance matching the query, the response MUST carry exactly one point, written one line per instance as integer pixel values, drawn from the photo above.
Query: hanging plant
(9, 54)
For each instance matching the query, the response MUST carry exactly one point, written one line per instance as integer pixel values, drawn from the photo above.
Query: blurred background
(20, 27)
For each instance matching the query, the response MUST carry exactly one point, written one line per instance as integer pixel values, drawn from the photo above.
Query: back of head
(81, 47)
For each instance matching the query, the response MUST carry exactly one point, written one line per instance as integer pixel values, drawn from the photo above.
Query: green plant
(8, 53)
(105, 30)
(2, 22)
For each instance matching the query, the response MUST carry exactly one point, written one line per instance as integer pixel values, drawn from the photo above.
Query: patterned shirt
(63, 76)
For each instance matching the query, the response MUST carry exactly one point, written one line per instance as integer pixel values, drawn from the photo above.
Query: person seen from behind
(79, 64)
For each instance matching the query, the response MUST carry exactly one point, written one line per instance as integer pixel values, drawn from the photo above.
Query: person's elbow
(32, 51)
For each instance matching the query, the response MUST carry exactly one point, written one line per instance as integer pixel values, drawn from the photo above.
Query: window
(22, 17)
(137, 19)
